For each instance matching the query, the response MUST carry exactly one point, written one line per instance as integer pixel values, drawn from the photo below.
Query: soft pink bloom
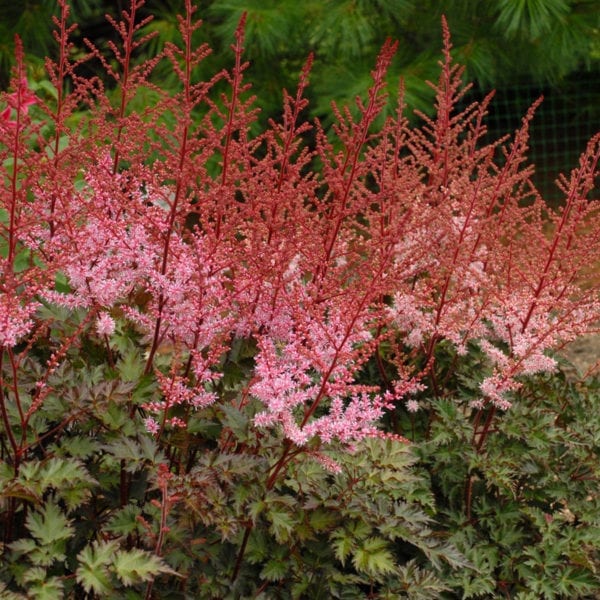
(299, 279)
(328, 463)
(176, 422)
(105, 325)
(151, 425)
(412, 406)
(15, 319)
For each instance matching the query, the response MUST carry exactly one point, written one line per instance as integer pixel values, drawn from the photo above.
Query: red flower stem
(183, 152)
(126, 65)
(486, 429)
(353, 154)
(242, 551)
(229, 128)
(6, 419)
(575, 185)
(58, 116)
(164, 511)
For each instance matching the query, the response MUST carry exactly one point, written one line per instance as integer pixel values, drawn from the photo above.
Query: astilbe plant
(218, 278)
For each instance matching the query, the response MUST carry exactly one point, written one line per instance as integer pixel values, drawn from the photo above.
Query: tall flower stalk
(180, 225)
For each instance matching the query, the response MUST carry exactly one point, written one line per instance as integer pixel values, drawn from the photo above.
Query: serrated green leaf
(49, 589)
(22, 260)
(576, 582)
(322, 520)
(275, 569)
(23, 546)
(259, 546)
(417, 583)
(93, 573)
(61, 283)
(34, 574)
(5, 594)
(342, 547)
(50, 531)
(374, 557)
(49, 525)
(14, 489)
(68, 478)
(125, 521)
(145, 387)
(255, 509)
(131, 366)
(77, 446)
(236, 420)
(135, 566)
(282, 524)
(135, 453)
(56, 471)
(204, 427)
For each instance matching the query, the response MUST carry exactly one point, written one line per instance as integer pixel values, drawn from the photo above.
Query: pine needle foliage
(500, 43)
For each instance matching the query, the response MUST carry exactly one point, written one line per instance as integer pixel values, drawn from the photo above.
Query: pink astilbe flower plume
(105, 325)
(327, 256)
(18, 101)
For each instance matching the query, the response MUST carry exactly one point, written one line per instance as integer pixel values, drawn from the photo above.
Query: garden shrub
(285, 364)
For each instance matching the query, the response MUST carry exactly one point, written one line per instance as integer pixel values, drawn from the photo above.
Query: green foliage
(93, 571)
(452, 514)
(498, 42)
(89, 517)
(67, 478)
(522, 507)
(49, 530)
(134, 566)
(530, 18)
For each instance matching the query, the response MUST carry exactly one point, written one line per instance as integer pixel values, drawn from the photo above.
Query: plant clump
(215, 342)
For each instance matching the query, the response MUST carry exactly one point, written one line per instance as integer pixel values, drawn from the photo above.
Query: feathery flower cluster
(18, 102)
(185, 226)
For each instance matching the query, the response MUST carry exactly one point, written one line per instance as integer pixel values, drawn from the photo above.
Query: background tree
(500, 43)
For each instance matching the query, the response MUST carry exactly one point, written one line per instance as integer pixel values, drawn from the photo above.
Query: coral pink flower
(19, 100)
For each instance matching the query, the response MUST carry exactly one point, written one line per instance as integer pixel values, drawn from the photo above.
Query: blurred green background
(522, 48)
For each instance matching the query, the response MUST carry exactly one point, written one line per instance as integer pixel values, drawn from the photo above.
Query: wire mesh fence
(563, 124)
